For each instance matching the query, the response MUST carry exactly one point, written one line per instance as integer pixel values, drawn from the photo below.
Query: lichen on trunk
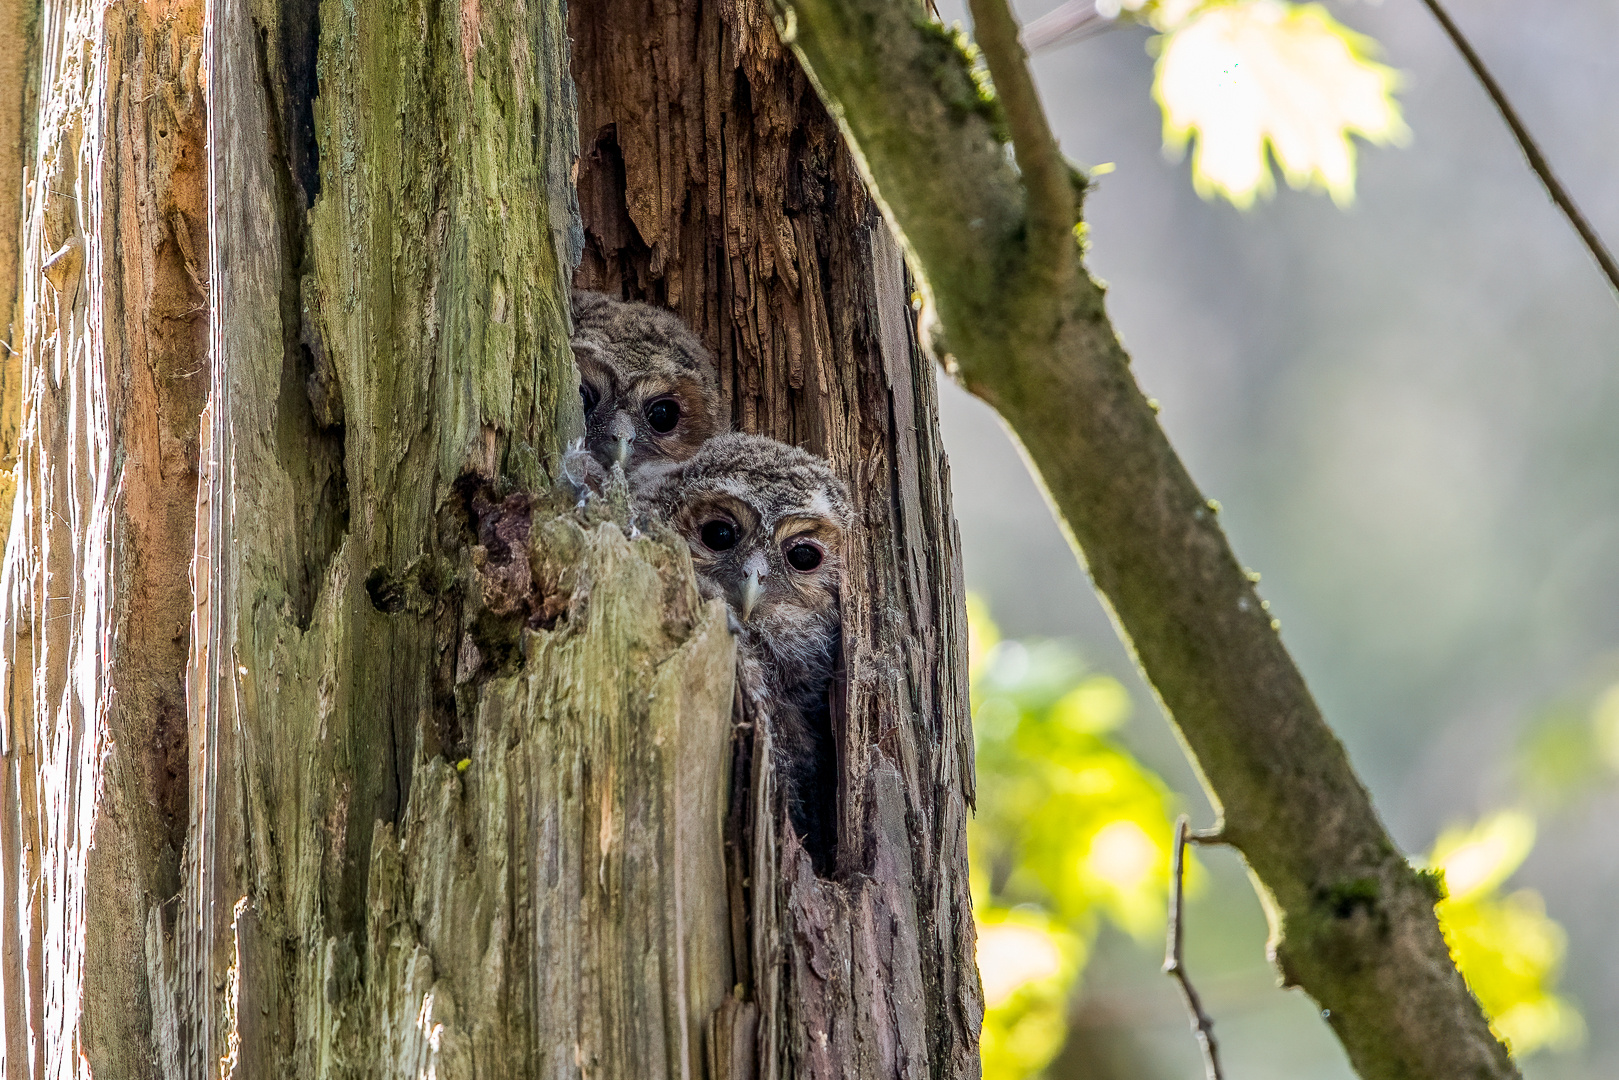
(461, 763)
(342, 740)
(555, 899)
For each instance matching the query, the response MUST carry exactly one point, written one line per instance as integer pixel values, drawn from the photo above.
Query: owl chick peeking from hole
(767, 525)
(647, 384)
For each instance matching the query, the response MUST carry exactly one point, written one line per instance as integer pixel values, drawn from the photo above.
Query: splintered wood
(713, 181)
(338, 741)
(555, 904)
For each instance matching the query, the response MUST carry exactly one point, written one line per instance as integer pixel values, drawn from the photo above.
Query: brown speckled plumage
(630, 357)
(777, 498)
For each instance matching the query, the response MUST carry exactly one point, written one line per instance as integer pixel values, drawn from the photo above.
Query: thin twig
(1047, 182)
(1531, 151)
(1174, 960)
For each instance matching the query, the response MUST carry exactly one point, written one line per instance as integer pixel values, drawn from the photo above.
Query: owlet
(766, 524)
(648, 385)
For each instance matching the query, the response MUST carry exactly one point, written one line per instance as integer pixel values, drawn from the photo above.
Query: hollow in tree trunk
(337, 739)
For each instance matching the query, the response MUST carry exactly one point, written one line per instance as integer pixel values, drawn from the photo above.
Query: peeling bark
(337, 740)
(19, 64)
(95, 595)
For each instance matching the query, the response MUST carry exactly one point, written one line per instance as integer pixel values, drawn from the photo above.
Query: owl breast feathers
(647, 384)
(767, 525)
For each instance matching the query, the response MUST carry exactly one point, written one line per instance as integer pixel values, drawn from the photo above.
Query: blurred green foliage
(1559, 758)
(1071, 831)
(1508, 949)
(1572, 748)
(1033, 963)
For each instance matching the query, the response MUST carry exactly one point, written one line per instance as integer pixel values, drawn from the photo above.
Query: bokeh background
(1409, 411)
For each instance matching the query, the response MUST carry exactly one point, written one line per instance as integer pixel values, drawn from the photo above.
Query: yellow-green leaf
(1028, 964)
(1477, 860)
(1508, 949)
(1253, 79)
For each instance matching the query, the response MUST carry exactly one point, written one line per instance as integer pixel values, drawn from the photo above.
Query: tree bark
(94, 597)
(18, 80)
(712, 180)
(462, 807)
(1351, 922)
(337, 740)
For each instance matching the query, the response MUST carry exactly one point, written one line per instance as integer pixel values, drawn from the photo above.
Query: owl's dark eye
(719, 535)
(589, 396)
(663, 415)
(804, 557)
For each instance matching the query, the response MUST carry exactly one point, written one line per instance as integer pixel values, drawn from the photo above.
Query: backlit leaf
(1071, 830)
(1507, 947)
(1255, 79)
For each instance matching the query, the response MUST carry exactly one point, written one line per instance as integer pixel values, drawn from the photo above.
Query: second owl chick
(647, 384)
(766, 524)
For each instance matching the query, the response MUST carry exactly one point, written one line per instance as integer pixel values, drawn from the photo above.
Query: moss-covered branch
(1352, 923)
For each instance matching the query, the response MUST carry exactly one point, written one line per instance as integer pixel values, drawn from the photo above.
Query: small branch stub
(1174, 960)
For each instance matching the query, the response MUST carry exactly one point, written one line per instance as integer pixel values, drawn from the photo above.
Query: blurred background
(1409, 411)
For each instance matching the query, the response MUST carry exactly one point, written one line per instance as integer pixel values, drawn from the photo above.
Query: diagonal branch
(1352, 923)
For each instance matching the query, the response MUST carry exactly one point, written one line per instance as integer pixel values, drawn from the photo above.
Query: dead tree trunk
(713, 181)
(110, 341)
(337, 741)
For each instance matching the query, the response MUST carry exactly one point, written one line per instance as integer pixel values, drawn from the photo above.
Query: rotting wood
(463, 825)
(448, 790)
(110, 353)
(461, 786)
(557, 900)
(712, 180)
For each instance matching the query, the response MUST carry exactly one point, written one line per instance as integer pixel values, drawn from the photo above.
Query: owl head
(647, 384)
(766, 524)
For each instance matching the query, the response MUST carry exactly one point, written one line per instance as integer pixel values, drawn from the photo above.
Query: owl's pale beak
(752, 589)
(623, 433)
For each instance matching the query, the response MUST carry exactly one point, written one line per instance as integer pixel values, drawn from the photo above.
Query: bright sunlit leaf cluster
(1251, 81)
(1028, 962)
(1071, 830)
(1507, 947)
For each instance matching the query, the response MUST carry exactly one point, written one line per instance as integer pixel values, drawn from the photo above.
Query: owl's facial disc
(646, 382)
